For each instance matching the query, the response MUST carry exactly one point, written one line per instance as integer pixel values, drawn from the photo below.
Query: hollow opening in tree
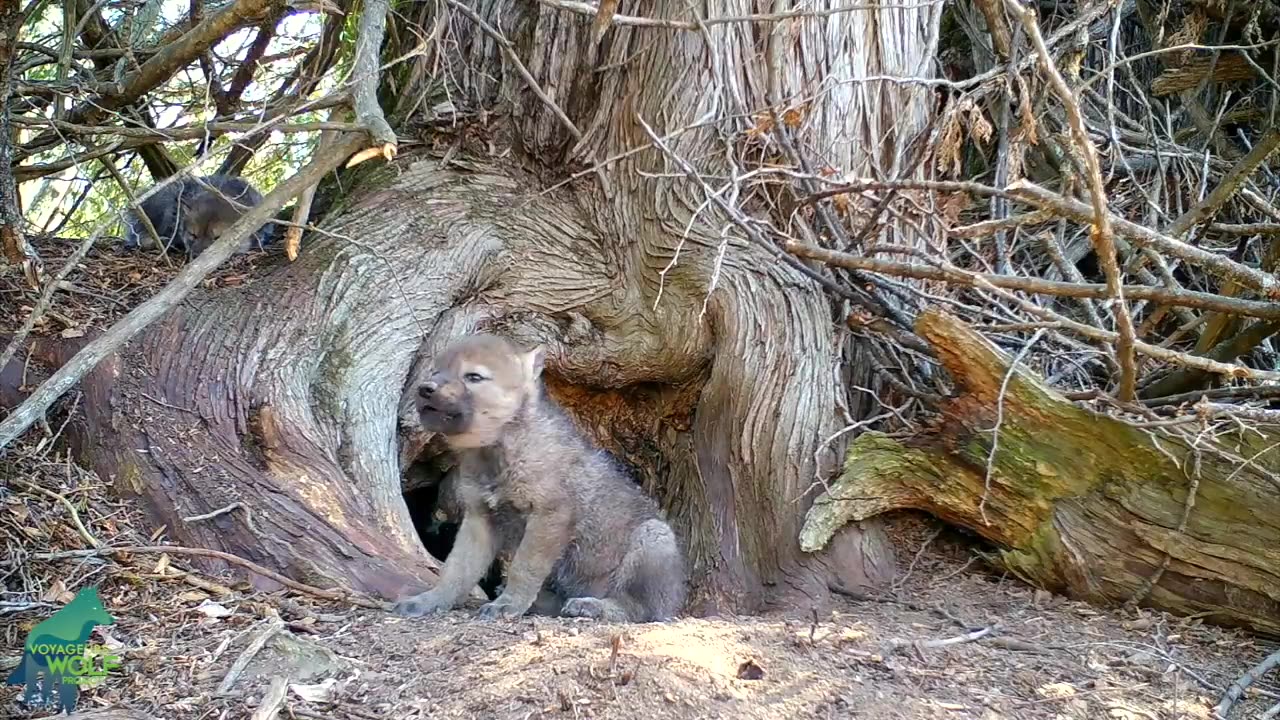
(422, 489)
(435, 519)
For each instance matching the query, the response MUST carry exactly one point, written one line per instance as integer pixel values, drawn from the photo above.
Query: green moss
(129, 476)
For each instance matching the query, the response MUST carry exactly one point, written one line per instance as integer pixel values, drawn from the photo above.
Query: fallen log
(1077, 502)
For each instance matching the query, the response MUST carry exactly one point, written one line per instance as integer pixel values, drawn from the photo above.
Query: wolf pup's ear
(533, 363)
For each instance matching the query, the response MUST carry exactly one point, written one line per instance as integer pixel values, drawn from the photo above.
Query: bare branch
(46, 299)
(365, 72)
(1102, 237)
(951, 274)
(1028, 192)
(188, 132)
(1147, 238)
(1238, 175)
(161, 66)
(244, 72)
(1237, 689)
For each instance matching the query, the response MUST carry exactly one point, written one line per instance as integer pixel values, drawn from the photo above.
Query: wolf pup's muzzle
(444, 405)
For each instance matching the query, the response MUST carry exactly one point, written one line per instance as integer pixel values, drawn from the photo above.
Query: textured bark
(285, 395)
(14, 247)
(1079, 503)
(742, 476)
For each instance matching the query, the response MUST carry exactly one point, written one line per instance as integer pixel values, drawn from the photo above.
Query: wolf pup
(581, 538)
(190, 214)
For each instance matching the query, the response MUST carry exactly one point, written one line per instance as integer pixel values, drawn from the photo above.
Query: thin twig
(967, 637)
(43, 305)
(950, 274)
(995, 429)
(1230, 183)
(743, 223)
(75, 514)
(340, 595)
(1102, 237)
(248, 515)
(1252, 392)
(509, 50)
(162, 65)
(1028, 192)
(1150, 582)
(990, 227)
(187, 132)
(1237, 689)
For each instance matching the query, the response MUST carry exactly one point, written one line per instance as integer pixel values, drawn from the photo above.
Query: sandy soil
(908, 656)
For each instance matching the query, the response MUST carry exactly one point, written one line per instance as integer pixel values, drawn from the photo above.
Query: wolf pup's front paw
(504, 608)
(420, 604)
(594, 608)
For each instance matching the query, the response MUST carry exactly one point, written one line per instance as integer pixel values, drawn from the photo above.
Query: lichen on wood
(1076, 502)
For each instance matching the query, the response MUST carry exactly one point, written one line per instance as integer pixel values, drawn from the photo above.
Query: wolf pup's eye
(473, 378)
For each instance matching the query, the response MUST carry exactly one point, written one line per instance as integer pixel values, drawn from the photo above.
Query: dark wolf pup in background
(189, 214)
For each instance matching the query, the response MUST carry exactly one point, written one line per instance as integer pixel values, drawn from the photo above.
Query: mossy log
(1077, 502)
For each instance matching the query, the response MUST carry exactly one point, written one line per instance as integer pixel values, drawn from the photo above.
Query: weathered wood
(280, 395)
(1077, 502)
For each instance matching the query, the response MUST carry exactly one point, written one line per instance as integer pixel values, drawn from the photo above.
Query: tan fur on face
(210, 216)
(509, 379)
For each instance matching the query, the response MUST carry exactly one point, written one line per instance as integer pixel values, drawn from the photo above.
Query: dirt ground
(950, 640)
(911, 655)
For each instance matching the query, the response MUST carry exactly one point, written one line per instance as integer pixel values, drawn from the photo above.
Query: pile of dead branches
(1100, 201)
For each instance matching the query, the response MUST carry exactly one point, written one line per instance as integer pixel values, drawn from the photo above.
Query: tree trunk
(713, 370)
(1077, 502)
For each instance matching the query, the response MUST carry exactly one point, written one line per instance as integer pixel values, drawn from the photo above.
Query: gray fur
(188, 216)
(573, 531)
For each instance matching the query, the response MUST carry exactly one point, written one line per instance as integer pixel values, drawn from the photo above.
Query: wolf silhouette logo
(56, 649)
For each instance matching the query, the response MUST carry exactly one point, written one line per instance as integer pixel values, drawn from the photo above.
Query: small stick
(259, 641)
(967, 637)
(1025, 191)
(302, 210)
(1236, 691)
(341, 595)
(898, 644)
(1103, 236)
(273, 700)
(248, 515)
(46, 299)
(75, 516)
